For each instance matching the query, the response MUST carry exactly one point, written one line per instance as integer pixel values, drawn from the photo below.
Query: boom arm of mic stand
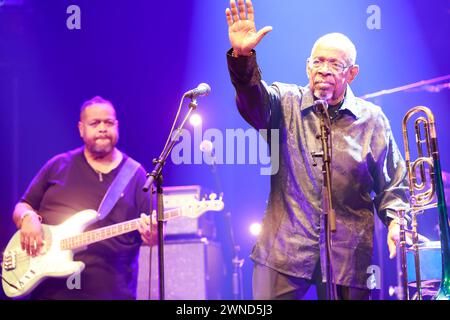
(159, 163)
(155, 175)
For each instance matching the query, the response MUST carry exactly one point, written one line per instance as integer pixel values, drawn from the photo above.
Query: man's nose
(324, 69)
(102, 126)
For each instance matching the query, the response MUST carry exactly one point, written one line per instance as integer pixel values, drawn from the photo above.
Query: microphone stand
(216, 174)
(329, 214)
(236, 278)
(156, 176)
(237, 287)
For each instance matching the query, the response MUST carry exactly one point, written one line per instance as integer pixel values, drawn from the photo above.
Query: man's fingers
(409, 239)
(242, 14)
(250, 11)
(265, 30)
(22, 241)
(36, 244)
(392, 245)
(234, 11)
(31, 242)
(141, 224)
(144, 224)
(261, 33)
(147, 229)
(392, 251)
(32, 246)
(26, 243)
(229, 18)
(28, 247)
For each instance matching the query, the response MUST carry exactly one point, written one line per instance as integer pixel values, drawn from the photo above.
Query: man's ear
(307, 69)
(81, 128)
(354, 70)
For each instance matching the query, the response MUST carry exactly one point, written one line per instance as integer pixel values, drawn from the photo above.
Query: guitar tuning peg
(212, 196)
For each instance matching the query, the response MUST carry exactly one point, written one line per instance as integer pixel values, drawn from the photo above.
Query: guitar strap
(116, 188)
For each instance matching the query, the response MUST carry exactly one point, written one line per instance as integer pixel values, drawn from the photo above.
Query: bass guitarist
(78, 180)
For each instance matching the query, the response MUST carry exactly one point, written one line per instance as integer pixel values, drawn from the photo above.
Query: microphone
(320, 106)
(203, 89)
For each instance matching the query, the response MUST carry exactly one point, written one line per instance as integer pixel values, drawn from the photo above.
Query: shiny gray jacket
(368, 175)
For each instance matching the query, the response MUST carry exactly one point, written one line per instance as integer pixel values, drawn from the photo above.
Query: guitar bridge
(9, 260)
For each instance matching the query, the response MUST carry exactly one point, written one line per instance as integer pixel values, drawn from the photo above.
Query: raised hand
(241, 27)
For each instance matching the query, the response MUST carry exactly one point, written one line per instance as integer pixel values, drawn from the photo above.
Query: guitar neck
(93, 236)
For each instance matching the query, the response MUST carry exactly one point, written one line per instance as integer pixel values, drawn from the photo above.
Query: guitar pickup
(9, 260)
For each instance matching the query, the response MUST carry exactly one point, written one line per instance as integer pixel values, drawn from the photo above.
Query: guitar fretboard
(115, 230)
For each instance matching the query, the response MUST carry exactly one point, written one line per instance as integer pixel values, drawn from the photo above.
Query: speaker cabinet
(194, 270)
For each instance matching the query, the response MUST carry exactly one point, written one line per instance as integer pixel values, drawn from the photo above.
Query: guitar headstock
(196, 208)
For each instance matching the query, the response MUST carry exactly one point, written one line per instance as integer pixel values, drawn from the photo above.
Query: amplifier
(194, 270)
(203, 226)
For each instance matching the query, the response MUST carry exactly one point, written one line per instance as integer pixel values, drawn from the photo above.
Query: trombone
(426, 191)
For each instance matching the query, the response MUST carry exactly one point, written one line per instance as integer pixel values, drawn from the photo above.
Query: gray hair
(338, 40)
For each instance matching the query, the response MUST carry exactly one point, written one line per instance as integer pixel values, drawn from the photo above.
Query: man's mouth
(323, 85)
(323, 81)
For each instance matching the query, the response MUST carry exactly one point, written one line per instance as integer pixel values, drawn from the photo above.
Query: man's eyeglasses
(334, 66)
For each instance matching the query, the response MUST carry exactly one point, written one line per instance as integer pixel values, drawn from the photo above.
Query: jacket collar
(350, 102)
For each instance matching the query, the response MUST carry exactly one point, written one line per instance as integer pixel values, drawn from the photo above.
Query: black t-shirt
(66, 185)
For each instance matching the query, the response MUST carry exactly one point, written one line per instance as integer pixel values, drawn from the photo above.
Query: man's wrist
(27, 213)
(236, 54)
